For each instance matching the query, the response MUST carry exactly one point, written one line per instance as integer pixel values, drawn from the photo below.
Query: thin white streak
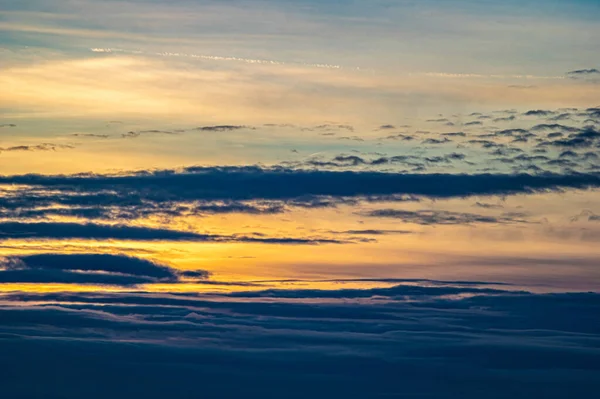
(215, 58)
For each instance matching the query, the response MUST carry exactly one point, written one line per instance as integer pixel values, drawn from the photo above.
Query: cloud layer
(347, 343)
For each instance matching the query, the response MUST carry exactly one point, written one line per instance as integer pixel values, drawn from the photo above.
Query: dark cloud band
(249, 183)
(92, 231)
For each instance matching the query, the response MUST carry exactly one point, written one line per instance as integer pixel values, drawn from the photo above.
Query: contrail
(216, 58)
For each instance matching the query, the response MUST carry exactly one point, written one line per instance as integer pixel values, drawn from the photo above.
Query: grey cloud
(488, 206)
(222, 128)
(560, 117)
(584, 72)
(100, 269)
(134, 134)
(436, 141)
(554, 126)
(371, 232)
(586, 137)
(91, 135)
(455, 134)
(435, 217)
(255, 183)
(92, 231)
(538, 112)
(38, 147)
(506, 119)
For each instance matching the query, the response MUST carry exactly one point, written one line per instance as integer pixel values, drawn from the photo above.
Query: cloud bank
(470, 341)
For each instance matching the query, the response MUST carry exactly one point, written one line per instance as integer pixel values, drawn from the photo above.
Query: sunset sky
(299, 198)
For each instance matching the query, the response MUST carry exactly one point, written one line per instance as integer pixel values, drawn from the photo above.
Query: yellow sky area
(197, 287)
(88, 158)
(433, 252)
(450, 256)
(49, 288)
(115, 86)
(550, 239)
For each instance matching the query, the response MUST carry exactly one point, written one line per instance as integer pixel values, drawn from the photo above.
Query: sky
(299, 198)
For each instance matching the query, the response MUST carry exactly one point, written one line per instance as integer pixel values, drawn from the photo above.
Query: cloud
(488, 206)
(584, 72)
(554, 126)
(99, 206)
(585, 138)
(255, 189)
(538, 112)
(349, 343)
(222, 128)
(207, 57)
(511, 132)
(505, 119)
(257, 208)
(586, 215)
(399, 136)
(351, 161)
(135, 134)
(455, 134)
(350, 138)
(399, 292)
(371, 232)
(102, 269)
(561, 117)
(332, 127)
(435, 217)
(37, 147)
(436, 141)
(593, 112)
(91, 135)
(91, 231)
(484, 143)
